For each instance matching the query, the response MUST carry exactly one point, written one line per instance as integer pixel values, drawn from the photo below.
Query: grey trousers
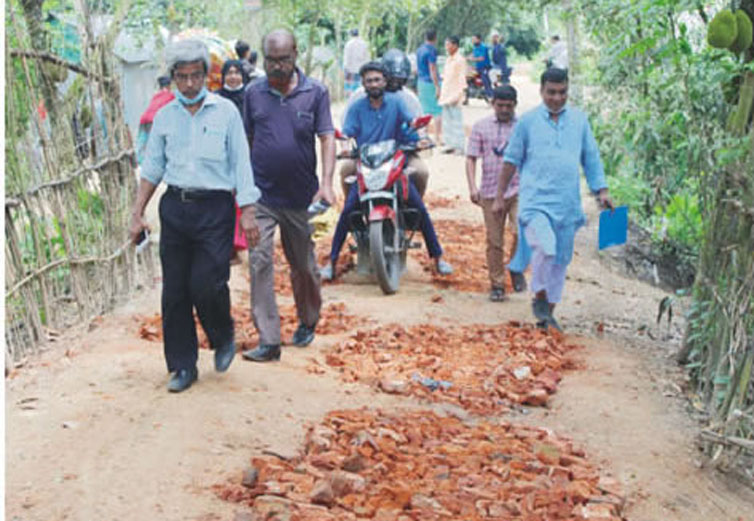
(295, 234)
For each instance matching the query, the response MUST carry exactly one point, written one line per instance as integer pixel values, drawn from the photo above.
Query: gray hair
(186, 51)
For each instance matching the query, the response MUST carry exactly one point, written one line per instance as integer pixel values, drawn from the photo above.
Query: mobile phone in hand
(142, 241)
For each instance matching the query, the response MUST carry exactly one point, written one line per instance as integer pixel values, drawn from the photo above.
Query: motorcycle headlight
(376, 179)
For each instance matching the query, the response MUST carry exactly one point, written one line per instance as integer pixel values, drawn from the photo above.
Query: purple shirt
(283, 130)
(486, 135)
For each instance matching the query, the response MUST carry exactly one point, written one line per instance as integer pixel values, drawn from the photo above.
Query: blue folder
(613, 227)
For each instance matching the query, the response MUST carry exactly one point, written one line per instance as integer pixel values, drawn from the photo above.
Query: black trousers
(196, 240)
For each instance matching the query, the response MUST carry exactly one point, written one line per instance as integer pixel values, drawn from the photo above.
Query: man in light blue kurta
(550, 145)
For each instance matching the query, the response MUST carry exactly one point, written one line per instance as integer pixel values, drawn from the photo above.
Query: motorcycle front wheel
(385, 260)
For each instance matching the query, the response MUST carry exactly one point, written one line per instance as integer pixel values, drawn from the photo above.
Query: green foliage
(526, 40)
(660, 115)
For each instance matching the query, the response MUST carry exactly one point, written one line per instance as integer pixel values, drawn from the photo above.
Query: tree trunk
(310, 43)
(338, 54)
(39, 40)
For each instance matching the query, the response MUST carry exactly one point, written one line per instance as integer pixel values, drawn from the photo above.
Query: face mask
(233, 89)
(190, 101)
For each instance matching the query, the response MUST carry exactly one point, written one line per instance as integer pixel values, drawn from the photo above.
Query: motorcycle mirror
(421, 121)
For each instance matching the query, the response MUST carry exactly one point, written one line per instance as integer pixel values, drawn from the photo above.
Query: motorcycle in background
(474, 87)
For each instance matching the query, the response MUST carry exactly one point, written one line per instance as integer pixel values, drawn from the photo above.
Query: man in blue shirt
(379, 117)
(550, 144)
(283, 114)
(428, 80)
(198, 147)
(481, 59)
(500, 58)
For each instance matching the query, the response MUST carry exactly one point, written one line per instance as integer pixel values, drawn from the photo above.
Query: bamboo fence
(70, 183)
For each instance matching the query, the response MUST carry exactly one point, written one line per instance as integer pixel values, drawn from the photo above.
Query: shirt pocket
(212, 144)
(304, 123)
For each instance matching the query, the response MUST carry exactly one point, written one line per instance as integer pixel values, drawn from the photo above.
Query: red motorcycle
(384, 225)
(475, 87)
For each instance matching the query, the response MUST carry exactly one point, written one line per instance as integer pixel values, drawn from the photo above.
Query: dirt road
(92, 433)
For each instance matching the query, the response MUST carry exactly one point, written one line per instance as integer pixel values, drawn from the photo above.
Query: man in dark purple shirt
(282, 114)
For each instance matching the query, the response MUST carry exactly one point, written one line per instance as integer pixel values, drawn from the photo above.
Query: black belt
(193, 194)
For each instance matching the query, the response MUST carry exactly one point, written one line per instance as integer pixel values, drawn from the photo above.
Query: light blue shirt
(206, 151)
(549, 156)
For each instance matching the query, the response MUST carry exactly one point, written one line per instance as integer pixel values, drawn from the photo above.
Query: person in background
(233, 81)
(500, 58)
(378, 117)
(256, 72)
(355, 54)
(451, 97)
(557, 58)
(489, 137)
(243, 51)
(198, 147)
(480, 57)
(428, 80)
(283, 114)
(550, 145)
(161, 98)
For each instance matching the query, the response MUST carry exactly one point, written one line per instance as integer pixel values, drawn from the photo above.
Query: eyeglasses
(283, 60)
(195, 77)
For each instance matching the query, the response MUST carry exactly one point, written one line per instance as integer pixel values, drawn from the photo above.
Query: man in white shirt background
(558, 55)
(355, 54)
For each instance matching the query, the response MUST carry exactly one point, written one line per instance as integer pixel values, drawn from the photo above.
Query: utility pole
(574, 71)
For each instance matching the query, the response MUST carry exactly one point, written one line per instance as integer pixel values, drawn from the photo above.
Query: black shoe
(303, 335)
(497, 294)
(263, 353)
(518, 280)
(541, 309)
(182, 379)
(224, 356)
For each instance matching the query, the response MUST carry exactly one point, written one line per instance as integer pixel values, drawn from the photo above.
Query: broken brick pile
(333, 320)
(464, 246)
(482, 368)
(367, 464)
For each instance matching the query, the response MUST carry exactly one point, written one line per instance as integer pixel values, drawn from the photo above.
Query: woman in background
(234, 79)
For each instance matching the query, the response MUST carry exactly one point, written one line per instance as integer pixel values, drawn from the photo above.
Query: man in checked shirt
(488, 139)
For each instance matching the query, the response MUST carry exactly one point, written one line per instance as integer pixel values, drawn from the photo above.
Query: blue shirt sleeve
(432, 56)
(590, 160)
(351, 125)
(240, 163)
(153, 168)
(515, 151)
(405, 118)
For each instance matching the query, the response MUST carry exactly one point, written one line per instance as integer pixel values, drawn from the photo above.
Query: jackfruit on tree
(743, 33)
(722, 30)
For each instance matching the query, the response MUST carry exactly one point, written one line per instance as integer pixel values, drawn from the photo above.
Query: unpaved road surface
(93, 435)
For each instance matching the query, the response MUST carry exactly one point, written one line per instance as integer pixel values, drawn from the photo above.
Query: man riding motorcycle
(374, 118)
(397, 69)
